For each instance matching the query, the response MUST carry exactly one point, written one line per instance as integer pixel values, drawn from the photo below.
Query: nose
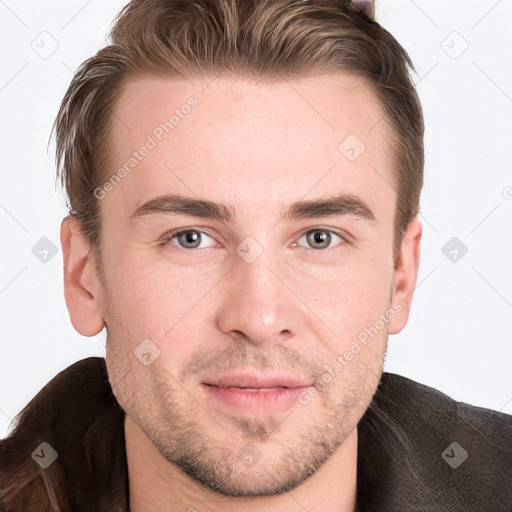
(257, 304)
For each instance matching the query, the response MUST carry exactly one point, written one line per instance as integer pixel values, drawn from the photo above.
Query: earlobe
(405, 276)
(82, 286)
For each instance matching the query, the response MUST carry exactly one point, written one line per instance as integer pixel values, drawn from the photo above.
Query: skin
(257, 149)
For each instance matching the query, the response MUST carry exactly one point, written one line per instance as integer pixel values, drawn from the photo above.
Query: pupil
(191, 237)
(322, 238)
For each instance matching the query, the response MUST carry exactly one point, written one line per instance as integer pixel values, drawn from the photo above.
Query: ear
(405, 275)
(82, 286)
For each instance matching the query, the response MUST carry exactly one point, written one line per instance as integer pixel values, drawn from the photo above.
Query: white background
(459, 335)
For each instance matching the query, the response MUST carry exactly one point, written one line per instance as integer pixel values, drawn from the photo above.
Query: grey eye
(319, 239)
(189, 239)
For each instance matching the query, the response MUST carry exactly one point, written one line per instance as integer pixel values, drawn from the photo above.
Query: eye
(320, 239)
(317, 239)
(188, 239)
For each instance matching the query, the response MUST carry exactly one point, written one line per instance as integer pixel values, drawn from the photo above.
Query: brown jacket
(407, 459)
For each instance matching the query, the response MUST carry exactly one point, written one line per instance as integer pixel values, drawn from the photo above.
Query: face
(282, 287)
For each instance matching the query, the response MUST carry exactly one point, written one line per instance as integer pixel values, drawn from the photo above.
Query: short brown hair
(270, 40)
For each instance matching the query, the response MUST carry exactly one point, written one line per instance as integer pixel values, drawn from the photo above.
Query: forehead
(237, 139)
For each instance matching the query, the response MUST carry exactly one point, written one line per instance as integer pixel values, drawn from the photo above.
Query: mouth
(252, 393)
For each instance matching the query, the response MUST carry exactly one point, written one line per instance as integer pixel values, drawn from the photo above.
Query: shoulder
(438, 452)
(79, 392)
(73, 423)
(418, 406)
(401, 395)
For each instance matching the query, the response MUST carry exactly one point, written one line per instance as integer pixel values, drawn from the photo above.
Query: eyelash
(167, 240)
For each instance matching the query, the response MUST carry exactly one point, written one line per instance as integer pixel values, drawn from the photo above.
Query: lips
(254, 393)
(259, 401)
(258, 381)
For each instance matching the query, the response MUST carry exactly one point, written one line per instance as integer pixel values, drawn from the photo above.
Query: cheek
(168, 306)
(348, 297)
(150, 293)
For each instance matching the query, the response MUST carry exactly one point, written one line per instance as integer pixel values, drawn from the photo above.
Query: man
(243, 183)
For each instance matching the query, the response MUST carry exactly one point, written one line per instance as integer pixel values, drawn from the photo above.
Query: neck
(156, 484)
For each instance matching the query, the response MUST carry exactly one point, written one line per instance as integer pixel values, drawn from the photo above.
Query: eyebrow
(342, 204)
